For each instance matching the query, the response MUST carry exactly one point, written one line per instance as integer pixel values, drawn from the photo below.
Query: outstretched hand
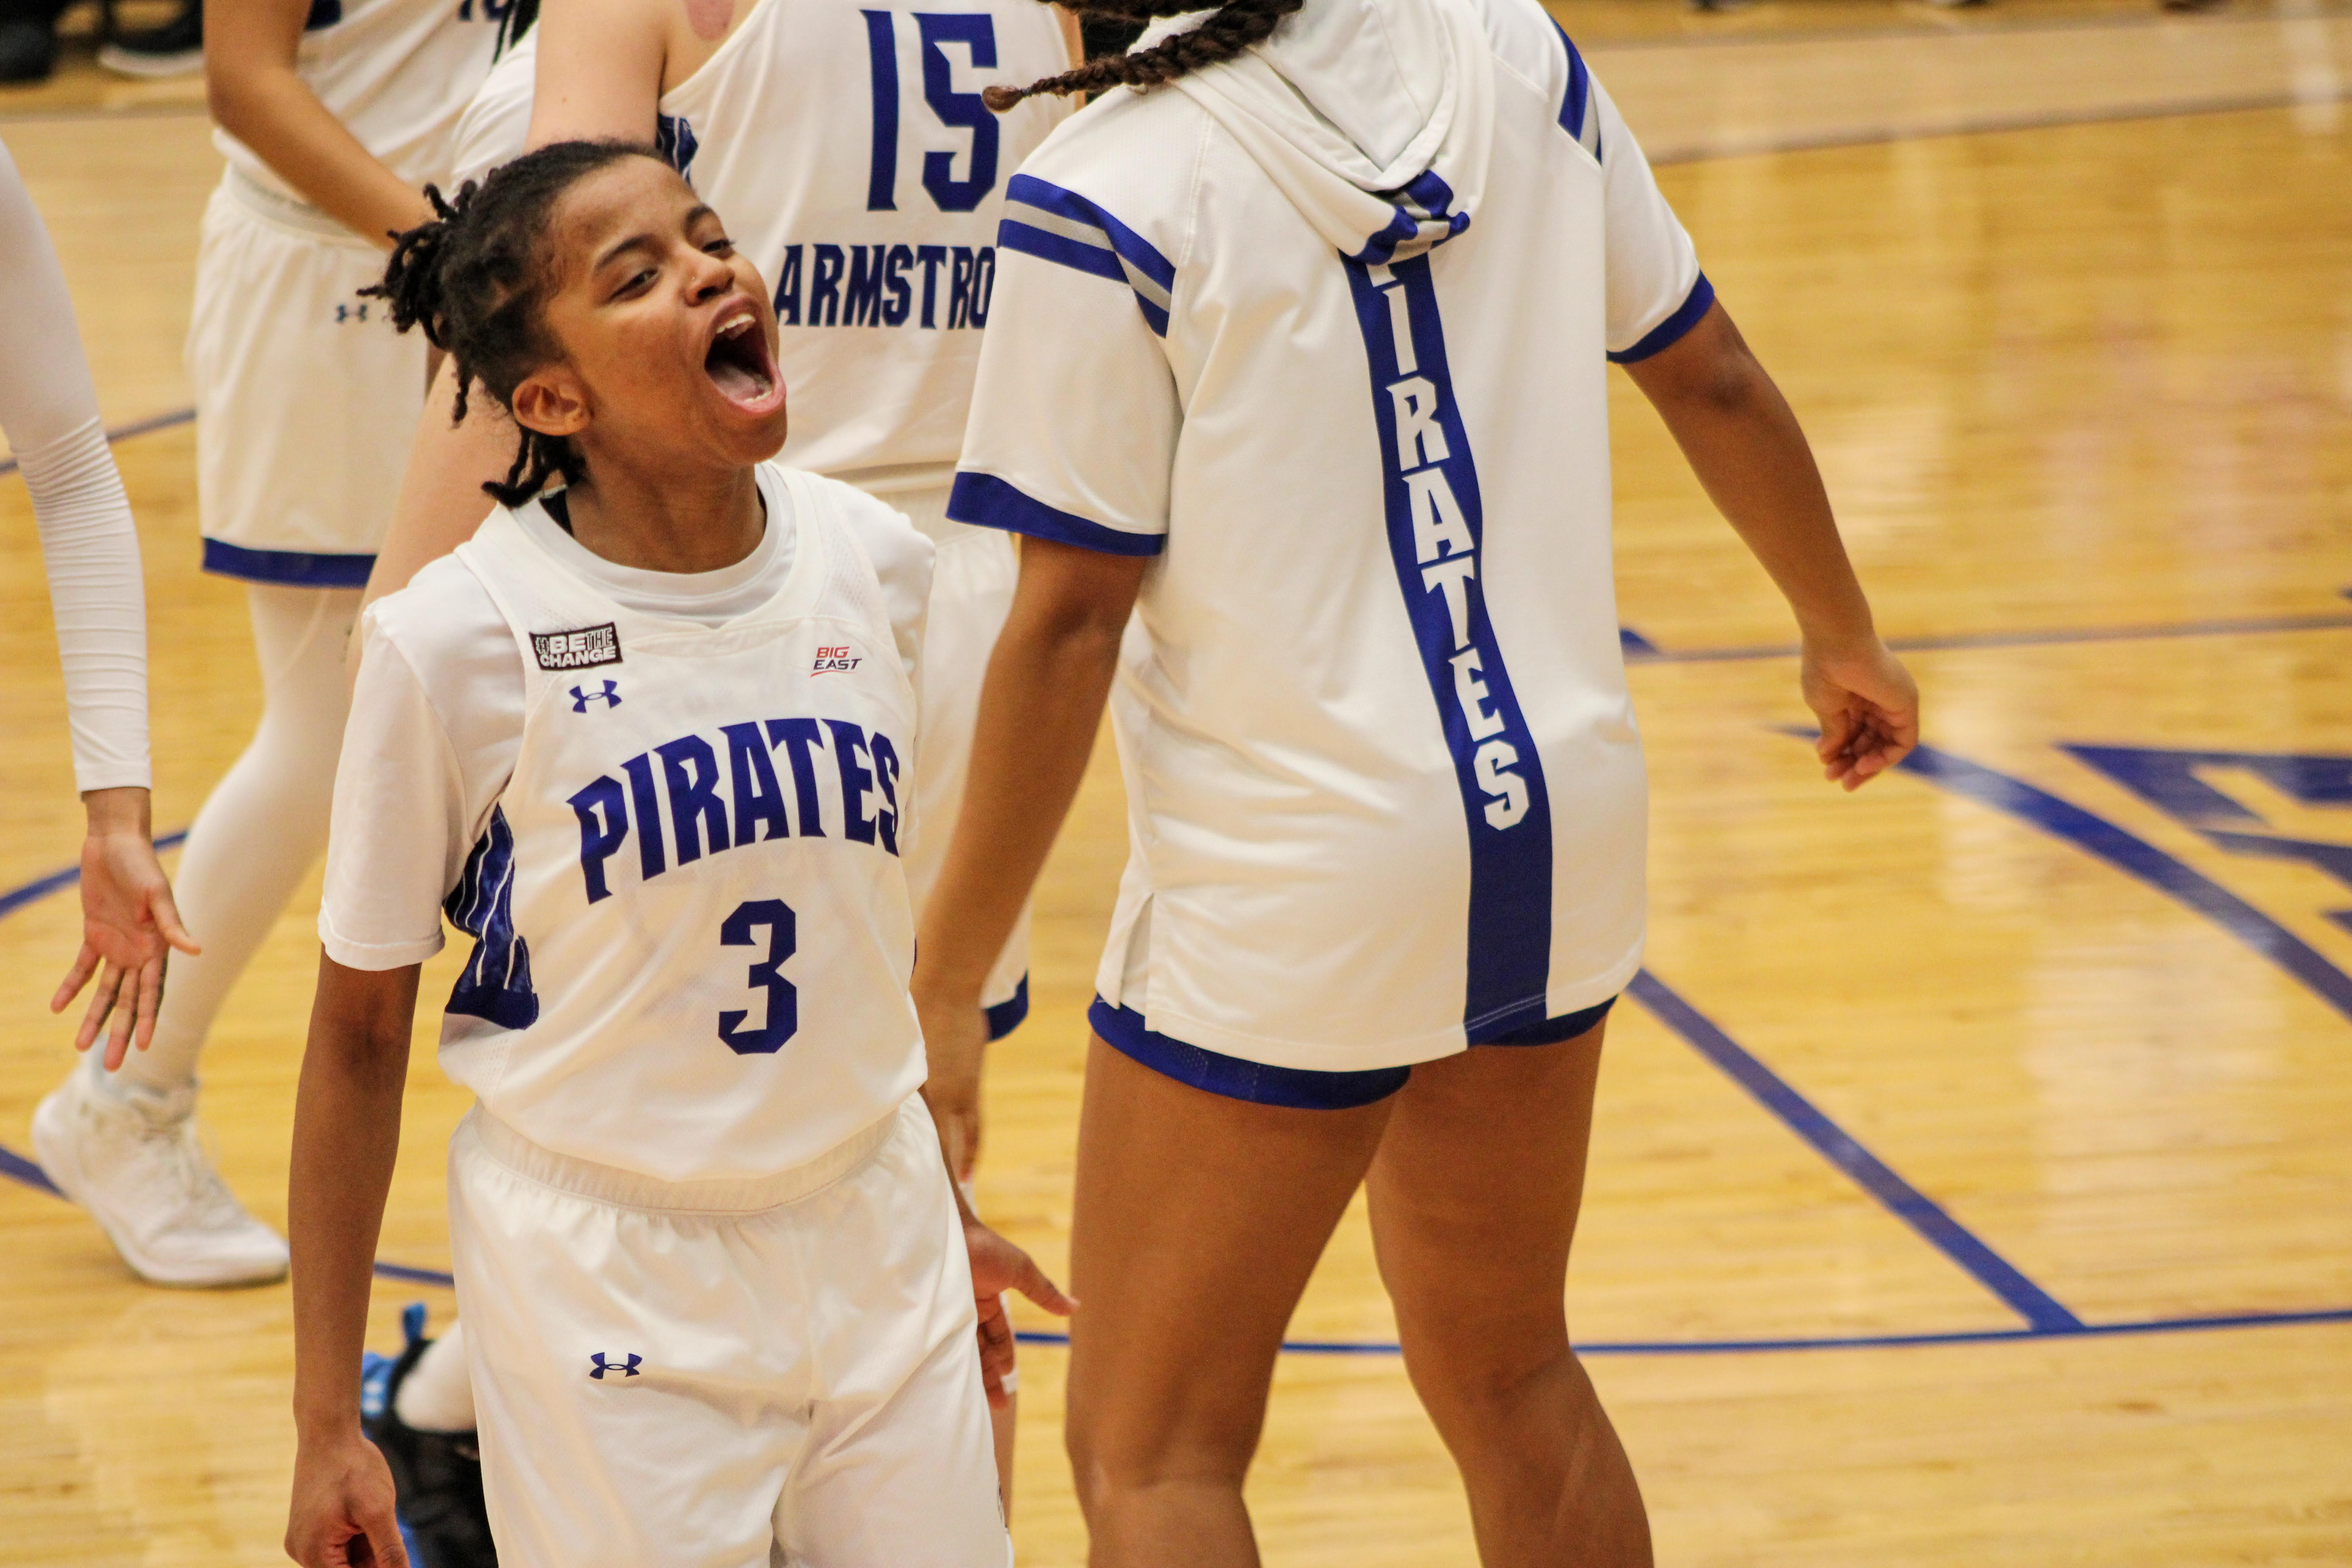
(998, 1266)
(342, 1513)
(1868, 706)
(130, 925)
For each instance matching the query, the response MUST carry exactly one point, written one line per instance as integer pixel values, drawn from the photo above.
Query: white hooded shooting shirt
(1324, 330)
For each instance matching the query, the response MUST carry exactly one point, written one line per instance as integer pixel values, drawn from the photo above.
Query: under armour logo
(599, 1365)
(609, 697)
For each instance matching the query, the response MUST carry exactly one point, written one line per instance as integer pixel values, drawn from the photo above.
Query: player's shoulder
(1132, 154)
(1537, 50)
(443, 625)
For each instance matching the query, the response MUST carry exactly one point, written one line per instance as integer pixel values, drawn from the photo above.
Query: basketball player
(851, 147)
(849, 144)
(332, 113)
(1299, 355)
(49, 411)
(646, 739)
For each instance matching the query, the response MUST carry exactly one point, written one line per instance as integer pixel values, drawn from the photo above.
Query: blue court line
(1872, 1174)
(2052, 637)
(1838, 1342)
(124, 432)
(2135, 857)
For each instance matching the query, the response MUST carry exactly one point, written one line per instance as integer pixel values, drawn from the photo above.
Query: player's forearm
(1743, 442)
(266, 106)
(346, 1137)
(1039, 709)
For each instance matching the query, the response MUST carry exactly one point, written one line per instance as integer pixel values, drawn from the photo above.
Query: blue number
(959, 111)
(783, 1019)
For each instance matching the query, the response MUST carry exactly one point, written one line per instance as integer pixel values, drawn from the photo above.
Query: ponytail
(1230, 29)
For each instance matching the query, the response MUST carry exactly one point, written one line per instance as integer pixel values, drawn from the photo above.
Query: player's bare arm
(255, 94)
(1744, 442)
(1047, 684)
(346, 1136)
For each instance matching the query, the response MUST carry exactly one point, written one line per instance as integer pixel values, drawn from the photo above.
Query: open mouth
(738, 363)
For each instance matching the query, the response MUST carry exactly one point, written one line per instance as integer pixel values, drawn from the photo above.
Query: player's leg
(639, 1374)
(1198, 1219)
(1474, 1200)
(124, 1146)
(899, 1467)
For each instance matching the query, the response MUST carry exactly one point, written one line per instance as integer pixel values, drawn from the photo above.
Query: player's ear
(551, 401)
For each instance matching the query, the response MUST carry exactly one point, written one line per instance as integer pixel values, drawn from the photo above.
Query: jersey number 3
(957, 110)
(783, 1019)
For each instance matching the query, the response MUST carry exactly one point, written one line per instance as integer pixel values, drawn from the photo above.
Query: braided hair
(476, 278)
(1230, 29)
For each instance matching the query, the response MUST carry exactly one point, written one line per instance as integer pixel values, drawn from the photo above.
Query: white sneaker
(132, 1159)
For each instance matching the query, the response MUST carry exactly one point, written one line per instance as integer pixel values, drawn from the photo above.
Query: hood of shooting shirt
(1375, 118)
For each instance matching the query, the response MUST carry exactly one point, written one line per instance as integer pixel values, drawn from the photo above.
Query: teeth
(736, 328)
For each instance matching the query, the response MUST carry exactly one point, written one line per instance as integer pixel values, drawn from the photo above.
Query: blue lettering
(894, 278)
(929, 258)
(856, 780)
(960, 110)
(862, 306)
(650, 859)
(824, 291)
(757, 798)
(885, 773)
(983, 283)
(788, 288)
(960, 288)
(796, 736)
(695, 809)
(603, 825)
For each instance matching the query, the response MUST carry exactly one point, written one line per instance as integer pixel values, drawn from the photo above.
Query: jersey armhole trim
(1672, 331)
(987, 502)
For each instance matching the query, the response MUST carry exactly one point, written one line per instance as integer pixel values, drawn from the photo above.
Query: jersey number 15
(957, 110)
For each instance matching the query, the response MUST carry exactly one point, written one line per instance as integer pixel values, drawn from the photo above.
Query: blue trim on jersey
(987, 502)
(1301, 1088)
(1436, 526)
(1576, 116)
(496, 982)
(291, 568)
(1007, 1015)
(1066, 227)
(1425, 198)
(1670, 331)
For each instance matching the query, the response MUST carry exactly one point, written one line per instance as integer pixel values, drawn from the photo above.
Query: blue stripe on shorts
(1302, 1088)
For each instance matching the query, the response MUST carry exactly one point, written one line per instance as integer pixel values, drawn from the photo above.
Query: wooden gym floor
(1971, 1183)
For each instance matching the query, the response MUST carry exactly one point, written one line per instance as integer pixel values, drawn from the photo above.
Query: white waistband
(287, 212)
(630, 1189)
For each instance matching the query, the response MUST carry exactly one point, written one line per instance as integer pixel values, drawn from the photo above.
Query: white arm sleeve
(48, 409)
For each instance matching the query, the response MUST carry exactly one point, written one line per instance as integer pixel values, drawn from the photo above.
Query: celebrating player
(649, 737)
(332, 113)
(1301, 358)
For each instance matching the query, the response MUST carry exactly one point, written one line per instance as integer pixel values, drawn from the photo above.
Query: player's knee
(1115, 1454)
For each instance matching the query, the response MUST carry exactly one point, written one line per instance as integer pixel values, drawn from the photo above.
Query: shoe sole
(123, 62)
(54, 1149)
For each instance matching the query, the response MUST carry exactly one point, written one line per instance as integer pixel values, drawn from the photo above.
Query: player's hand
(998, 1266)
(955, 1039)
(128, 923)
(1868, 706)
(342, 1514)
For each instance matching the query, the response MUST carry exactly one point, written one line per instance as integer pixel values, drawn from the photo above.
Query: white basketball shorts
(971, 594)
(306, 400)
(725, 1375)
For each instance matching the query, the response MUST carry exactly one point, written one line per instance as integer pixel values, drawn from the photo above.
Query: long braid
(1228, 31)
(472, 280)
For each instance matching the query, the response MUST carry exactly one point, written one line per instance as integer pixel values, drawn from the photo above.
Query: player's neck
(669, 524)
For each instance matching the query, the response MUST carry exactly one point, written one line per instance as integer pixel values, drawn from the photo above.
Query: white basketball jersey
(693, 934)
(845, 146)
(398, 73)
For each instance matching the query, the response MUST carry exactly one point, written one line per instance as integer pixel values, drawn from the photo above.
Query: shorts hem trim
(288, 568)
